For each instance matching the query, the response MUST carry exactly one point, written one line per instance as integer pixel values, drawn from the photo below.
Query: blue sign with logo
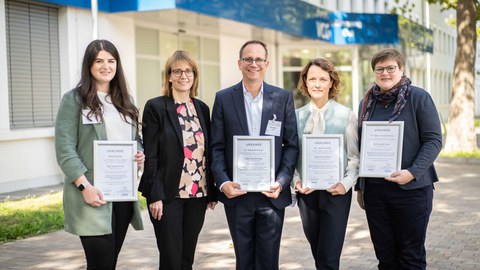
(294, 17)
(353, 28)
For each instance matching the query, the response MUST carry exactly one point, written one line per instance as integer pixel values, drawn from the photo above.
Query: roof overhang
(294, 17)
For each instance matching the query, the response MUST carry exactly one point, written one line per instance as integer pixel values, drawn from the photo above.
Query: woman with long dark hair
(99, 108)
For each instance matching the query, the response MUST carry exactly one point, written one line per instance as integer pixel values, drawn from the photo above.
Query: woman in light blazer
(324, 213)
(99, 108)
(176, 180)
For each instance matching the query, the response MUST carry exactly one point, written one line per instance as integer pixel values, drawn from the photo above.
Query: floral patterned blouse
(192, 182)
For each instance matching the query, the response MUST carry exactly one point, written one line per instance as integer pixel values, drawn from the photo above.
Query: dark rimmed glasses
(250, 60)
(389, 69)
(178, 72)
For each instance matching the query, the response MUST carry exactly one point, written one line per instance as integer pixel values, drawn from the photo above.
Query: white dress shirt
(253, 109)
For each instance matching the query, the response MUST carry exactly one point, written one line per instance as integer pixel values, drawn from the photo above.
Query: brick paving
(453, 240)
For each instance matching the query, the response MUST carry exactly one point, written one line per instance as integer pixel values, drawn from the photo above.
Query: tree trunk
(461, 130)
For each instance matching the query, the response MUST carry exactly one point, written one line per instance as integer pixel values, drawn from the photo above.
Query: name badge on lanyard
(273, 127)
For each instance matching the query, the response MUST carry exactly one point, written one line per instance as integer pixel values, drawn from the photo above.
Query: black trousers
(177, 232)
(102, 251)
(256, 229)
(324, 219)
(398, 220)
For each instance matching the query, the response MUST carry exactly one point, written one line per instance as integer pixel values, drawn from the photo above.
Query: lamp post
(94, 7)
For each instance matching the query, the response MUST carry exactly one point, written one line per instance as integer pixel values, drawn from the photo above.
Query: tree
(460, 131)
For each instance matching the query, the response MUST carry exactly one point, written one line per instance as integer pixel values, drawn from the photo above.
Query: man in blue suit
(253, 107)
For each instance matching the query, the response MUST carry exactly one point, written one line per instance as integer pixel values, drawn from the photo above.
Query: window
(33, 64)
(153, 47)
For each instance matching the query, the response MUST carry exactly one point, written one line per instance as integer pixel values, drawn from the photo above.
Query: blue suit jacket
(229, 119)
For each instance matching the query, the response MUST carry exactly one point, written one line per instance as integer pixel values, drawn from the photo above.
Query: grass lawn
(473, 154)
(32, 216)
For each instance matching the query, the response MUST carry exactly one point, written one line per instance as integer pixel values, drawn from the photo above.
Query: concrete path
(453, 240)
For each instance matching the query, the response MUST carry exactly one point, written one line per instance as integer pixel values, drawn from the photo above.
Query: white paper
(115, 170)
(93, 119)
(274, 128)
(381, 148)
(322, 161)
(253, 162)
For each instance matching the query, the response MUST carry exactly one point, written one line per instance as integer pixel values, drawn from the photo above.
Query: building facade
(42, 44)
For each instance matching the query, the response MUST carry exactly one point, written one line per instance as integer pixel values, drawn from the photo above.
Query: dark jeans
(398, 220)
(102, 251)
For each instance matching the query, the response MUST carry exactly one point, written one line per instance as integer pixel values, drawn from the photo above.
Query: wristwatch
(81, 187)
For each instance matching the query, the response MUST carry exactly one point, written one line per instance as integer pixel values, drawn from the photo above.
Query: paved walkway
(453, 240)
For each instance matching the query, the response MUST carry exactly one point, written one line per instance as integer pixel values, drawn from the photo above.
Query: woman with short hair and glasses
(176, 180)
(324, 213)
(398, 206)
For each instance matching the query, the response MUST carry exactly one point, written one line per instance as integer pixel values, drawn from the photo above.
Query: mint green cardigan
(336, 120)
(74, 150)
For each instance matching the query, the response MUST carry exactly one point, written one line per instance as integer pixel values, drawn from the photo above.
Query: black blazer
(163, 144)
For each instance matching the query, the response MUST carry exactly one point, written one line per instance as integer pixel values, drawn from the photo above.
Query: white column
(357, 6)
(369, 6)
(94, 4)
(4, 106)
(428, 67)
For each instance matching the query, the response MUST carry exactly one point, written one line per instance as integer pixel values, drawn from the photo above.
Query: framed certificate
(322, 160)
(254, 162)
(115, 171)
(381, 148)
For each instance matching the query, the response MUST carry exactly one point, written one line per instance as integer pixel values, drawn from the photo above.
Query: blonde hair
(180, 56)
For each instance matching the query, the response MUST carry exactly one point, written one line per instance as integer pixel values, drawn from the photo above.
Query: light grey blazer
(74, 150)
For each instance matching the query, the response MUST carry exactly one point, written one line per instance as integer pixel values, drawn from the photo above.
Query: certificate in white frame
(115, 171)
(322, 160)
(381, 148)
(254, 162)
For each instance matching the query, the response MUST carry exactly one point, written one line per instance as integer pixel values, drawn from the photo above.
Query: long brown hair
(118, 93)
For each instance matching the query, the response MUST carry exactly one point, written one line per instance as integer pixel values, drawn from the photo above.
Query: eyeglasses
(390, 69)
(258, 61)
(178, 72)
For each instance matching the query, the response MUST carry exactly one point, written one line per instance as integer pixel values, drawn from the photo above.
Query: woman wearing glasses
(398, 207)
(176, 182)
(324, 213)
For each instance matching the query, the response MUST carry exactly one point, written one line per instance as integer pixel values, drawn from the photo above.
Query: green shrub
(477, 122)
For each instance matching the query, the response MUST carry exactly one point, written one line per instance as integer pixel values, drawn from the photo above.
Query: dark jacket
(229, 119)
(163, 143)
(422, 139)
